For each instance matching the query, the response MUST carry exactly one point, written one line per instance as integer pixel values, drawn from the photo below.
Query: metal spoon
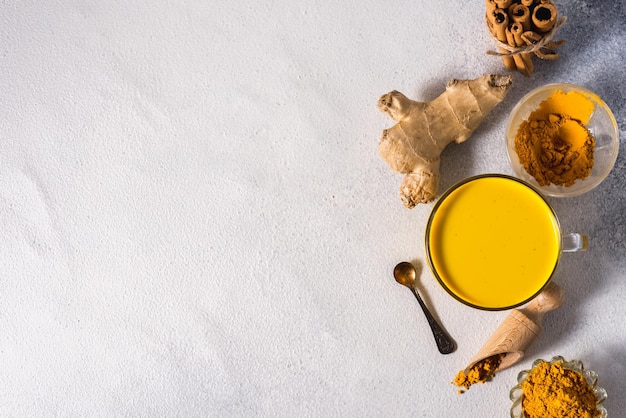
(405, 274)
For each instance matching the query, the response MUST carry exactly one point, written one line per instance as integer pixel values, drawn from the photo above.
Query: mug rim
(440, 201)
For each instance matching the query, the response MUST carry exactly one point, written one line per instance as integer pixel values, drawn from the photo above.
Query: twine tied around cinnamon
(541, 45)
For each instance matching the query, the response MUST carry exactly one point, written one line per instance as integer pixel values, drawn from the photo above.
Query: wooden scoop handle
(520, 328)
(550, 298)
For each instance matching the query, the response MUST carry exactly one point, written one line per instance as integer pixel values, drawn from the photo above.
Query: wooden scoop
(520, 328)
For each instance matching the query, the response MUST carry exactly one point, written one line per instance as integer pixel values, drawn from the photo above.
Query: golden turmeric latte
(553, 144)
(480, 372)
(550, 391)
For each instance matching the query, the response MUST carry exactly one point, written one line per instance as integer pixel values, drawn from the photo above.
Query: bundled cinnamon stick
(518, 13)
(524, 60)
(544, 17)
(523, 28)
(500, 22)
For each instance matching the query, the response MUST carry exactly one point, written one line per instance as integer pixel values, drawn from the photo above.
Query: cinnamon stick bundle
(523, 28)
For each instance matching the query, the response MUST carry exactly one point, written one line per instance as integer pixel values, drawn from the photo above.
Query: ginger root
(413, 146)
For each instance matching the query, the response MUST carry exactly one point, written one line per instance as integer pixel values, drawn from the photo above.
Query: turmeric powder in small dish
(558, 388)
(563, 139)
(553, 144)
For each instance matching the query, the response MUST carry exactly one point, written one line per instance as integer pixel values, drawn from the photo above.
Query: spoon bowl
(405, 274)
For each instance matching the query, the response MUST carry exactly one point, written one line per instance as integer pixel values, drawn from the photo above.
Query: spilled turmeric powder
(480, 372)
(551, 391)
(553, 144)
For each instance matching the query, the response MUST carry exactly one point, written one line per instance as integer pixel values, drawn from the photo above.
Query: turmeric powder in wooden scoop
(507, 345)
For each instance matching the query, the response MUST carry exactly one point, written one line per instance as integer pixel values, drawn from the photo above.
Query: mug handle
(573, 242)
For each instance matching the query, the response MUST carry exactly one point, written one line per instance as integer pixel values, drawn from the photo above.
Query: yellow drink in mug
(493, 242)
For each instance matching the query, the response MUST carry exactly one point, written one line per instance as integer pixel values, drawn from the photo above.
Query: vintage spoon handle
(445, 344)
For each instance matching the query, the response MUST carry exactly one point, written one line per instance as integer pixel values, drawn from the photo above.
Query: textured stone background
(196, 221)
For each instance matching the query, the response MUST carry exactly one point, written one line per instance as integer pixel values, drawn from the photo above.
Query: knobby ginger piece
(413, 146)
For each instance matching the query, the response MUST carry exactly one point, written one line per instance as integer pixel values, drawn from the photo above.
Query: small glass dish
(602, 126)
(590, 376)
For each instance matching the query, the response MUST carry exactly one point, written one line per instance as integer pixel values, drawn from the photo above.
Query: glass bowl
(602, 126)
(590, 376)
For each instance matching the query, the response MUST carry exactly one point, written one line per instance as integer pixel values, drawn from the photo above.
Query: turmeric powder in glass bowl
(558, 388)
(563, 139)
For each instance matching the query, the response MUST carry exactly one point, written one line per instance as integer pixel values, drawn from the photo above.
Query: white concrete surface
(196, 222)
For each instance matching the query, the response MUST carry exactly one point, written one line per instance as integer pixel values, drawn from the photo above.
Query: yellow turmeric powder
(551, 391)
(480, 372)
(553, 144)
